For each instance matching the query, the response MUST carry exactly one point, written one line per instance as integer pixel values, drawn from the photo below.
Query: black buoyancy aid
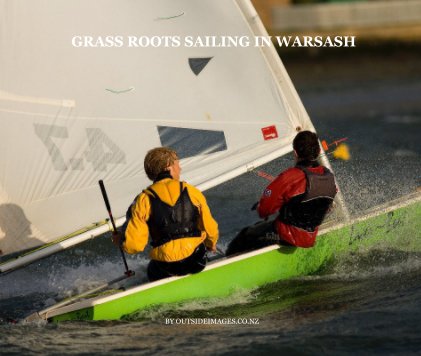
(168, 222)
(308, 210)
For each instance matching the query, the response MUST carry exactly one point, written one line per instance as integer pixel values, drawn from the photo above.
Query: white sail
(71, 115)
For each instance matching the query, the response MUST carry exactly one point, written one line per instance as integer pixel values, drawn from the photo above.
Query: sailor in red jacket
(300, 196)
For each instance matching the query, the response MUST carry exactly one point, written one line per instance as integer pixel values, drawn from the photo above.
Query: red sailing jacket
(290, 183)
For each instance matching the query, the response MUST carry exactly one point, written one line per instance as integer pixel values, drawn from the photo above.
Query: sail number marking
(101, 150)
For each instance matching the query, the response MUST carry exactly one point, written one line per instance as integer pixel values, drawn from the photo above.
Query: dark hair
(306, 144)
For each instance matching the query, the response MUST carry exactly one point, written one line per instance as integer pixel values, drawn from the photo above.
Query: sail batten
(72, 115)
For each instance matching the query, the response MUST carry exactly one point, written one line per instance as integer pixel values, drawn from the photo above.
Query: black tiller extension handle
(110, 214)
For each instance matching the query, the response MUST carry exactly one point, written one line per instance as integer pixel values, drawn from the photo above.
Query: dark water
(369, 303)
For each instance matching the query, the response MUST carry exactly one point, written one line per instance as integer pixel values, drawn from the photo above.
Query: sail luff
(284, 81)
(285, 85)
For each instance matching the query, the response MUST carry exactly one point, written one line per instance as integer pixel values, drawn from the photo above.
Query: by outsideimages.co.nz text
(212, 321)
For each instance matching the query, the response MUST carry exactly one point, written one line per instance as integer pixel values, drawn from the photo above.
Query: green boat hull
(398, 227)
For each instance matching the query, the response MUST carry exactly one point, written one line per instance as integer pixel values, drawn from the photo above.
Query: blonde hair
(157, 160)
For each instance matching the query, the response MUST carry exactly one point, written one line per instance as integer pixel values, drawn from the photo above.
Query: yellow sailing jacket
(137, 231)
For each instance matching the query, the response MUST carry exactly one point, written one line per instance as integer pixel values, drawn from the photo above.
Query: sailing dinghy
(89, 108)
(391, 225)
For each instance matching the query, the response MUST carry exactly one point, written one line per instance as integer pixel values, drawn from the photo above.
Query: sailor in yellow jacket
(174, 215)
